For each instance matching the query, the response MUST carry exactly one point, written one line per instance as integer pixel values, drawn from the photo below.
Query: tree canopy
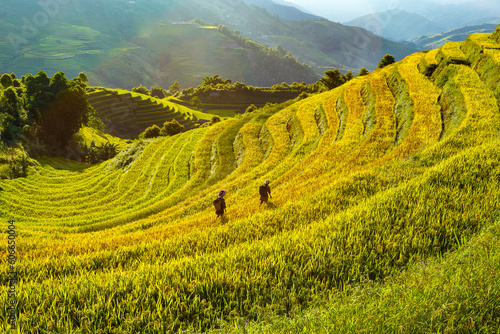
(386, 60)
(50, 109)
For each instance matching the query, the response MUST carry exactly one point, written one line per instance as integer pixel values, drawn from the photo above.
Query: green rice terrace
(384, 216)
(126, 114)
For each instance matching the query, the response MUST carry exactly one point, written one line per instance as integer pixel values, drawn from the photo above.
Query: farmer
(220, 204)
(265, 192)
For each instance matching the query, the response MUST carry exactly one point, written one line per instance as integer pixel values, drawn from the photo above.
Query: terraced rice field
(366, 179)
(126, 114)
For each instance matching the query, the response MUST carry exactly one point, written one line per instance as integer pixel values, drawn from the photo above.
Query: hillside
(455, 15)
(155, 42)
(378, 180)
(126, 114)
(456, 35)
(396, 25)
(285, 11)
(183, 52)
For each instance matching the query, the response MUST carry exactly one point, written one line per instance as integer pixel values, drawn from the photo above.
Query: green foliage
(215, 80)
(158, 92)
(362, 72)
(141, 89)
(14, 162)
(171, 128)
(251, 108)
(332, 79)
(50, 110)
(67, 113)
(215, 119)
(386, 60)
(128, 155)
(12, 105)
(175, 88)
(151, 132)
(6, 80)
(196, 103)
(83, 77)
(97, 153)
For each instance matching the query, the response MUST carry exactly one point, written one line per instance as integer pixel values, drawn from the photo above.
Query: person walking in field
(265, 192)
(220, 204)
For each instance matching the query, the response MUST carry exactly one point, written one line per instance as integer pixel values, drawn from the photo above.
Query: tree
(6, 80)
(386, 60)
(83, 77)
(215, 119)
(10, 103)
(281, 52)
(332, 79)
(196, 102)
(175, 88)
(362, 72)
(38, 96)
(215, 80)
(171, 128)
(151, 132)
(158, 92)
(348, 76)
(141, 89)
(69, 111)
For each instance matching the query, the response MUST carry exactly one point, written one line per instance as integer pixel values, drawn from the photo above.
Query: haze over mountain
(283, 10)
(397, 25)
(410, 20)
(123, 44)
(342, 11)
(455, 35)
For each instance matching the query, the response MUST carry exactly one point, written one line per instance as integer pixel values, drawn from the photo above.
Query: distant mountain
(286, 12)
(456, 35)
(484, 20)
(451, 16)
(325, 44)
(396, 25)
(156, 42)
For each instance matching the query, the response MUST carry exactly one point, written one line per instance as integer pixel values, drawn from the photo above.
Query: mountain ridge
(125, 23)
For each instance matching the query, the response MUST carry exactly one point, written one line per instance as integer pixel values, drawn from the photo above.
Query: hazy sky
(344, 10)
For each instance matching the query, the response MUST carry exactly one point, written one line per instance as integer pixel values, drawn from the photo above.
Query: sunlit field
(384, 202)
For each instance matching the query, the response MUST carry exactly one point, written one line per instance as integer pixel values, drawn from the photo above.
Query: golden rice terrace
(385, 171)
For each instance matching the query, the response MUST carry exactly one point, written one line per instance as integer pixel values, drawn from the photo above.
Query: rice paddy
(368, 180)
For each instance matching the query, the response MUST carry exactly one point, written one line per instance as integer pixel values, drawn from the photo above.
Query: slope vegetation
(126, 114)
(380, 174)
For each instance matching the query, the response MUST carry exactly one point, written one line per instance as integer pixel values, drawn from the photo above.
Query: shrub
(141, 89)
(387, 60)
(151, 132)
(251, 108)
(171, 128)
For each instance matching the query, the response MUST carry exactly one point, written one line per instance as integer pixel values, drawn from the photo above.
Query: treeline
(41, 113)
(214, 89)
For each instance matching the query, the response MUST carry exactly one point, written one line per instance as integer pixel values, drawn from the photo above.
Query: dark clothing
(264, 191)
(222, 207)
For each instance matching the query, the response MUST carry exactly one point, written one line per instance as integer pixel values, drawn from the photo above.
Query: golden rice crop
(354, 197)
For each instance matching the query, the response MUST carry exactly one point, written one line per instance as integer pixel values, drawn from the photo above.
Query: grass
(126, 114)
(428, 297)
(383, 217)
